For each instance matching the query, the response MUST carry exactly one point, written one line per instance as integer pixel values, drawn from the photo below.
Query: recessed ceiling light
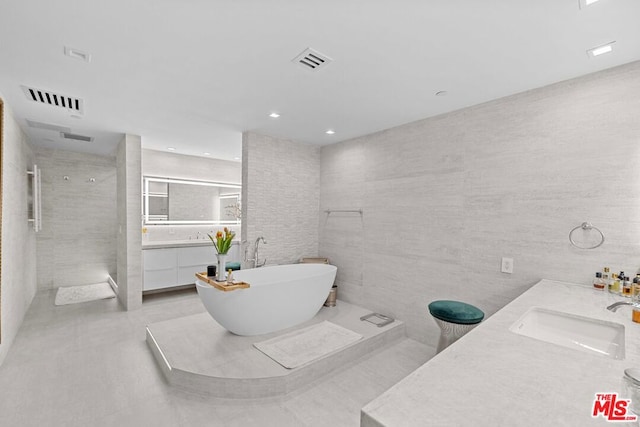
(274, 115)
(206, 154)
(600, 50)
(441, 93)
(75, 116)
(236, 158)
(77, 54)
(330, 132)
(171, 149)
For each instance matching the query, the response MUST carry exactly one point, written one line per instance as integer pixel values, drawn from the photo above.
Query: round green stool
(455, 319)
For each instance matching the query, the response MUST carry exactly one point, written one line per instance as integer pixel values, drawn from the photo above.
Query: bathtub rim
(322, 270)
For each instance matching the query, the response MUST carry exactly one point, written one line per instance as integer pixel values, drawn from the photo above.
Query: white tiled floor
(88, 365)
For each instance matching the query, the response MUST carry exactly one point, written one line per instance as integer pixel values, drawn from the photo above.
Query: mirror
(182, 201)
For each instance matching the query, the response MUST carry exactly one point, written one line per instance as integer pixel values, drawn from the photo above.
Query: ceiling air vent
(76, 137)
(54, 99)
(312, 60)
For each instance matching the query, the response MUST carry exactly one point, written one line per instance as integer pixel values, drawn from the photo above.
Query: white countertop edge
(495, 377)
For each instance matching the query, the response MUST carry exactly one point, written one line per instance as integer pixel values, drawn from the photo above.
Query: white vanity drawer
(159, 259)
(197, 255)
(158, 279)
(169, 267)
(160, 268)
(194, 260)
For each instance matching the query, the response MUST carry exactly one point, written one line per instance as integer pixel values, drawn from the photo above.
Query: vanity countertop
(161, 244)
(495, 377)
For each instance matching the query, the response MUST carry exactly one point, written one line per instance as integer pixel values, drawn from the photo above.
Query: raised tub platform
(196, 353)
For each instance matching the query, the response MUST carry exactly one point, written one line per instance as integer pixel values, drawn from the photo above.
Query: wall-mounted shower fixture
(67, 178)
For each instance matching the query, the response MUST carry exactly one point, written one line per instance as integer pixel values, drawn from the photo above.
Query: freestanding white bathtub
(280, 297)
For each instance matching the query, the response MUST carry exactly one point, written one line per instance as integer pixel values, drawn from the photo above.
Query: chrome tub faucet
(256, 259)
(257, 262)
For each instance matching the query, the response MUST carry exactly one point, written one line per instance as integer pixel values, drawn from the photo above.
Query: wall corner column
(129, 205)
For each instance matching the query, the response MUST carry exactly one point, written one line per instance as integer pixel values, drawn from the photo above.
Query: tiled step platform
(196, 353)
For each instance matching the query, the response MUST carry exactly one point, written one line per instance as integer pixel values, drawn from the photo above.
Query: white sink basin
(569, 330)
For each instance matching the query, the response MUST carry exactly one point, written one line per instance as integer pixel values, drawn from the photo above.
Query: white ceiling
(195, 74)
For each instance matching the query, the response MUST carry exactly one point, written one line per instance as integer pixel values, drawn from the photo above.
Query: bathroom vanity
(172, 263)
(495, 375)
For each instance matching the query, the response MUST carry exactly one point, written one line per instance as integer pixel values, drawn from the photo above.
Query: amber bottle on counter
(598, 283)
(626, 287)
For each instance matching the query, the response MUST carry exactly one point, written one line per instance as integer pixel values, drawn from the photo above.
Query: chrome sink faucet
(616, 305)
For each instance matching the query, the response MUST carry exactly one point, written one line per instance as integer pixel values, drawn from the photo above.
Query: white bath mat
(299, 347)
(84, 293)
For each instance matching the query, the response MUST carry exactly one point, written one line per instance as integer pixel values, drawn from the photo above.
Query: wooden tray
(222, 286)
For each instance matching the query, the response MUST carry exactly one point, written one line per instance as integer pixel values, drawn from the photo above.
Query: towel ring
(586, 226)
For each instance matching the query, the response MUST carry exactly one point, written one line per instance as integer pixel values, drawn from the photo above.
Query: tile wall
(281, 197)
(77, 244)
(446, 197)
(129, 208)
(18, 279)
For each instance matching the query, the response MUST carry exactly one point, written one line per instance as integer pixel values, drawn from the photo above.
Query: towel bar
(330, 211)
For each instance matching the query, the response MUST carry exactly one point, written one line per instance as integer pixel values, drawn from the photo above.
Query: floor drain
(377, 319)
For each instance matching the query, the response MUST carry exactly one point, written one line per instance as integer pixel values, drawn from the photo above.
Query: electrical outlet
(507, 265)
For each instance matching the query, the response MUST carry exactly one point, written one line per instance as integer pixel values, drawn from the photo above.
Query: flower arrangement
(222, 241)
(234, 210)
